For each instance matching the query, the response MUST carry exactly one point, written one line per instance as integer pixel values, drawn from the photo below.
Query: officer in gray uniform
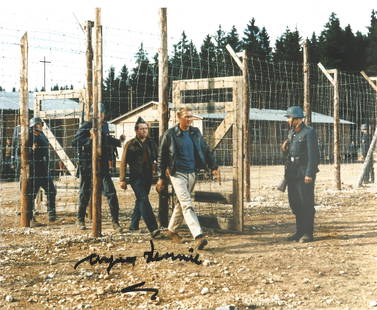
(365, 141)
(39, 174)
(83, 142)
(302, 159)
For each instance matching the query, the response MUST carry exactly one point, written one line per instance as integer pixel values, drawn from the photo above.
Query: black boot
(299, 231)
(308, 229)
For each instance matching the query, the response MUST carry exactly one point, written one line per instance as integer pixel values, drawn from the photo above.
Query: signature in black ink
(95, 258)
(135, 288)
(152, 256)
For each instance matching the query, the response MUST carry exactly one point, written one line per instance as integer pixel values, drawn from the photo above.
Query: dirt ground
(255, 269)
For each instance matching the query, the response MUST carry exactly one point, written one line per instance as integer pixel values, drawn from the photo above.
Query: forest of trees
(334, 46)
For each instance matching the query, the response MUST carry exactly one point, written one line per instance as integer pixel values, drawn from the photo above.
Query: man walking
(365, 141)
(39, 175)
(83, 142)
(302, 159)
(140, 153)
(182, 152)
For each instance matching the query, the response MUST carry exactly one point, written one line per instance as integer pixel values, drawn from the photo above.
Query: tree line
(334, 46)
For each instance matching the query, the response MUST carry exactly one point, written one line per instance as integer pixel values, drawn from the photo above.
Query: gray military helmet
(35, 120)
(295, 112)
(364, 127)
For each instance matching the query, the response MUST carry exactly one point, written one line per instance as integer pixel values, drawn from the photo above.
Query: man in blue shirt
(183, 151)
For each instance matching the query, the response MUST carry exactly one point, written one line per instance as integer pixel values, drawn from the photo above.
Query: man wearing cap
(302, 159)
(182, 152)
(39, 175)
(140, 153)
(83, 142)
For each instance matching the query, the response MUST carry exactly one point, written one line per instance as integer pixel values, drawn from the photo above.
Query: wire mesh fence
(130, 90)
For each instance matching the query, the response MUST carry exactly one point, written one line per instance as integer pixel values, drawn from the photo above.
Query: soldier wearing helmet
(39, 175)
(302, 159)
(83, 142)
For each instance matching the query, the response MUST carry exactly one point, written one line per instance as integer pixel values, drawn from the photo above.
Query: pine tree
(256, 41)
(371, 42)
(313, 49)
(208, 57)
(287, 47)
(331, 43)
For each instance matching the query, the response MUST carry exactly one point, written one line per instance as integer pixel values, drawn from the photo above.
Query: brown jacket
(133, 156)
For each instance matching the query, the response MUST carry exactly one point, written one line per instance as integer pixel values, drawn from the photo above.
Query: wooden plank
(325, 72)
(59, 150)
(234, 56)
(60, 114)
(24, 120)
(222, 129)
(368, 158)
(59, 94)
(209, 83)
(369, 80)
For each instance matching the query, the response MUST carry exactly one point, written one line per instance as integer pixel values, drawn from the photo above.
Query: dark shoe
(306, 238)
(81, 225)
(52, 218)
(117, 227)
(200, 242)
(174, 236)
(133, 229)
(295, 237)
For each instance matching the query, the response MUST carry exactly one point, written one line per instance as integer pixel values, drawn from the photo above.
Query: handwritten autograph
(150, 256)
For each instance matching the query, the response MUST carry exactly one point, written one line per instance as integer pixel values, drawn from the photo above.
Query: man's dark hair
(140, 120)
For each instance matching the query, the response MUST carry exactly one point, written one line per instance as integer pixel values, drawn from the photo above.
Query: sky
(54, 29)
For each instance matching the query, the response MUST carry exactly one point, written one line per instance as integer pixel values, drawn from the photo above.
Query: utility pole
(44, 71)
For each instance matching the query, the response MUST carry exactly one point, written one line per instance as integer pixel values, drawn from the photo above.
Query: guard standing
(302, 159)
(83, 142)
(365, 141)
(39, 175)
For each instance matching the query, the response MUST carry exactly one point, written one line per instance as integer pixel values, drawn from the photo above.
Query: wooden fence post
(246, 121)
(335, 82)
(24, 120)
(306, 69)
(89, 69)
(163, 108)
(96, 127)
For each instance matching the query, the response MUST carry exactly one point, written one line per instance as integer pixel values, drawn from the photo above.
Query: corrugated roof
(276, 115)
(11, 100)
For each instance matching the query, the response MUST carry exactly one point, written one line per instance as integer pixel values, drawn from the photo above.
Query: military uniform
(39, 174)
(302, 159)
(83, 142)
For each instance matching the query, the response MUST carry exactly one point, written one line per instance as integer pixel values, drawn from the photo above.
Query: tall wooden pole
(24, 120)
(306, 69)
(335, 82)
(336, 131)
(372, 82)
(163, 108)
(246, 112)
(89, 69)
(96, 127)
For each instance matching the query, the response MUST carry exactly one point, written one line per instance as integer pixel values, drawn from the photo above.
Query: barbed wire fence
(131, 90)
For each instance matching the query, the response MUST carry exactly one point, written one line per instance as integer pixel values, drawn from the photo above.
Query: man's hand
(284, 146)
(34, 146)
(216, 175)
(123, 185)
(160, 185)
(308, 180)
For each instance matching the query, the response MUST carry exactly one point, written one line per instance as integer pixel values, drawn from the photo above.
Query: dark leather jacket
(168, 150)
(303, 153)
(133, 156)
